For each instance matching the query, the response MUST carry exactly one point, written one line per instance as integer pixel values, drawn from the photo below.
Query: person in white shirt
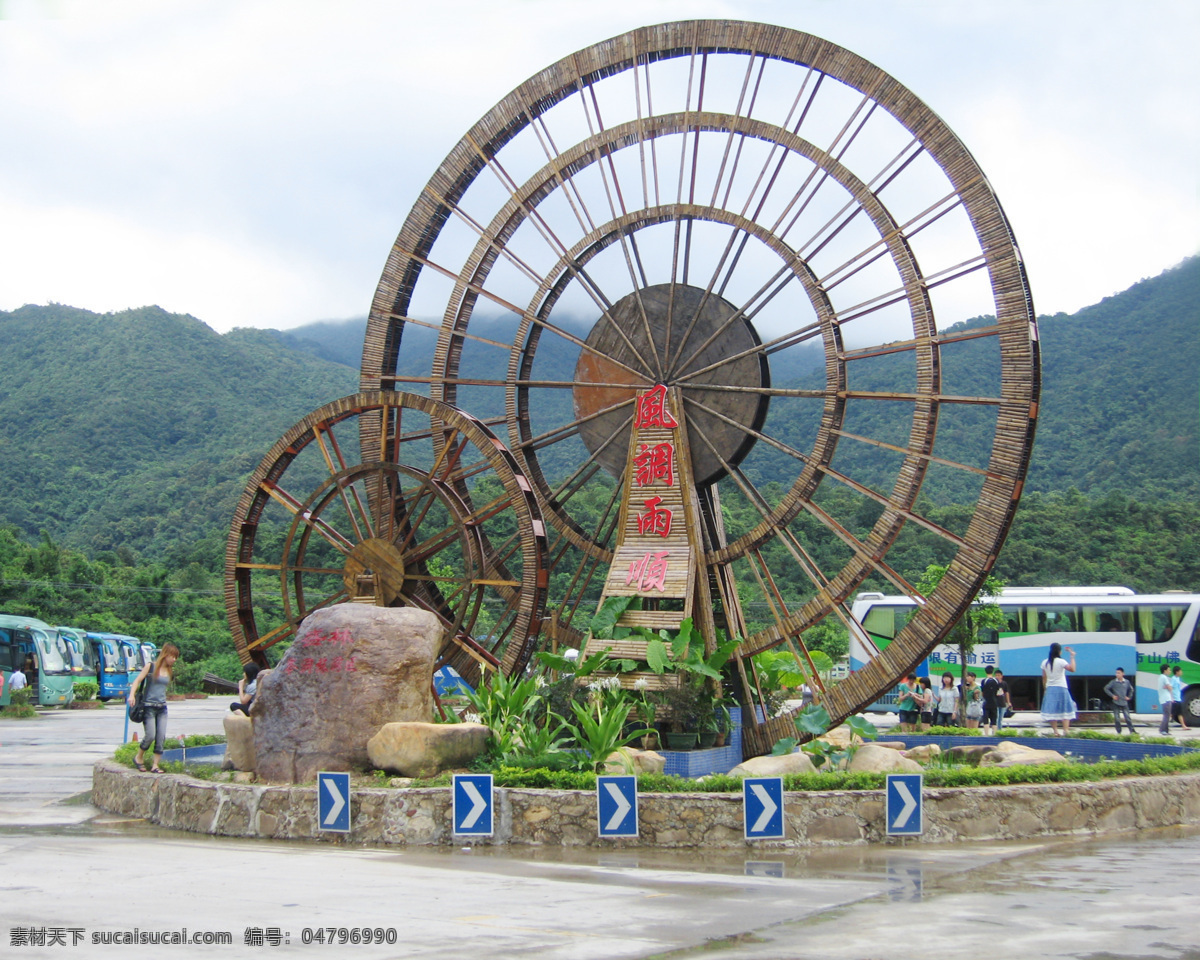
(1057, 705)
(1166, 699)
(1177, 686)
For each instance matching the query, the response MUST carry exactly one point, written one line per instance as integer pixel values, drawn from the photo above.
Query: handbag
(1008, 713)
(137, 713)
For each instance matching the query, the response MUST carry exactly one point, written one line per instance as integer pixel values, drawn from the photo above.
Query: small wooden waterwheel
(434, 515)
(803, 254)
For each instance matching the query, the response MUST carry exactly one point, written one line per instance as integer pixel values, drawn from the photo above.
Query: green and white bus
(43, 656)
(1108, 627)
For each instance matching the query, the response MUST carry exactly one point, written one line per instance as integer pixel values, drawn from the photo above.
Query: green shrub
(86, 689)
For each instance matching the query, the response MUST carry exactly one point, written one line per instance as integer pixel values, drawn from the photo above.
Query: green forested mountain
(126, 439)
(1121, 392)
(136, 430)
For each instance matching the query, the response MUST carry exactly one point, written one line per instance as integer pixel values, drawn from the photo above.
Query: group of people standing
(920, 703)
(1170, 698)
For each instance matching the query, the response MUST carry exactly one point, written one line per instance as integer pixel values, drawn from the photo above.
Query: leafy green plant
(600, 731)
(814, 721)
(19, 707)
(86, 689)
(501, 704)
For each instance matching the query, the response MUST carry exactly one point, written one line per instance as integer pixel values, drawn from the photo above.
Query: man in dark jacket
(1120, 692)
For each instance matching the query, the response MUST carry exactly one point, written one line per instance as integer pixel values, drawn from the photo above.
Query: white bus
(1108, 627)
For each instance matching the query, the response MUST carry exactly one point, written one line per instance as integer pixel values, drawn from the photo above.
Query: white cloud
(280, 144)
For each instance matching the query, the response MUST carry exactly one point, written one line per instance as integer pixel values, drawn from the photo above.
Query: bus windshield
(50, 653)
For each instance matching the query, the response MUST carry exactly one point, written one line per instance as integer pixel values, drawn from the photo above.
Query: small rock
(774, 766)
(872, 758)
(1005, 750)
(890, 744)
(401, 782)
(239, 741)
(924, 753)
(1030, 758)
(413, 749)
(968, 754)
(631, 760)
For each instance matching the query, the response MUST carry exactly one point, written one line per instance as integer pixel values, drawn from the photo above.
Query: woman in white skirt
(1057, 705)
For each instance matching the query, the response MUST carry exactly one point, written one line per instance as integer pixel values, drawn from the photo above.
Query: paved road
(65, 865)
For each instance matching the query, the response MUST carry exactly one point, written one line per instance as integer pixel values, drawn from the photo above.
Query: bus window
(1014, 619)
(884, 622)
(1057, 620)
(1158, 622)
(1108, 618)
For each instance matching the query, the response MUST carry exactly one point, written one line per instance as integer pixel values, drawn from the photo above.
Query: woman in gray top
(157, 676)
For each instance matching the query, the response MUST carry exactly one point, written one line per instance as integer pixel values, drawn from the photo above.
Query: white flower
(472, 718)
(641, 683)
(539, 681)
(611, 683)
(596, 685)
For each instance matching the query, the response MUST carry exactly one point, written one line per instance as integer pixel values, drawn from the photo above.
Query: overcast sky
(251, 162)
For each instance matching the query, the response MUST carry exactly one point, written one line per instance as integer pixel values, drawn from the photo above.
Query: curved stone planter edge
(568, 817)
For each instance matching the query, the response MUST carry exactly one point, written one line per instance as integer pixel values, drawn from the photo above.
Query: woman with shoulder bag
(157, 677)
(928, 703)
(974, 698)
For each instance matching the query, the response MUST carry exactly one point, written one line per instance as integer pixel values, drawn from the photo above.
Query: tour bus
(113, 675)
(1108, 627)
(42, 655)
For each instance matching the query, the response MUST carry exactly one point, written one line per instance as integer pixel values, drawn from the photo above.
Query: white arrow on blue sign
(473, 804)
(616, 806)
(333, 802)
(762, 807)
(905, 813)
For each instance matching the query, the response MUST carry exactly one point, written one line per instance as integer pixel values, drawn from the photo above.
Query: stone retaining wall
(568, 817)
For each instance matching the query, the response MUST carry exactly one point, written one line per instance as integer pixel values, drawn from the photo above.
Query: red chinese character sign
(655, 465)
(655, 555)
(652, 409)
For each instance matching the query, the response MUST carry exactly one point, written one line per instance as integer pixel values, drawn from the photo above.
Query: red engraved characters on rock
(652, 409)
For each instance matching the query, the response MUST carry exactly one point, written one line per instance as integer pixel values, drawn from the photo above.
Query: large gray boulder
(424, 750)
(352, 668)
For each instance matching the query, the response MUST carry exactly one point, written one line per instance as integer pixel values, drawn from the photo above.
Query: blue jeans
(156, 728)
(1122, 710)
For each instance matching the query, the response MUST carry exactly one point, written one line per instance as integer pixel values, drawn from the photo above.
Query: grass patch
(127, 751)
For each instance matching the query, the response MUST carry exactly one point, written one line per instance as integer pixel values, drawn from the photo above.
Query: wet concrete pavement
(66, 865)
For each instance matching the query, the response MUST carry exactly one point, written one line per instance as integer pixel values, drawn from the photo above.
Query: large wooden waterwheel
(792, 239)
